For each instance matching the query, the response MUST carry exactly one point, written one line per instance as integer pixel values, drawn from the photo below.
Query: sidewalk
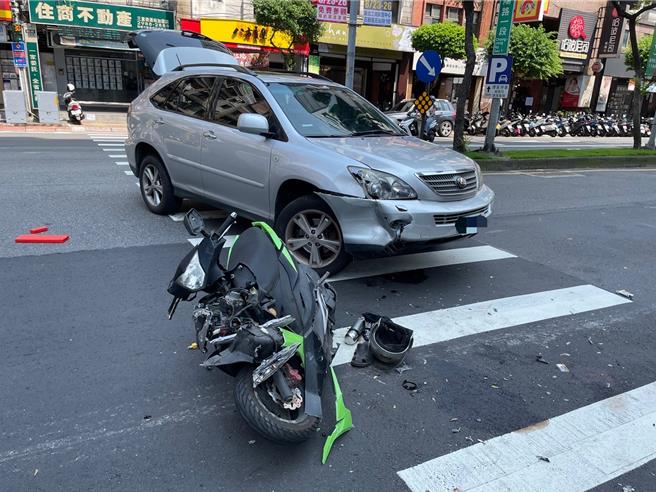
(100, 121)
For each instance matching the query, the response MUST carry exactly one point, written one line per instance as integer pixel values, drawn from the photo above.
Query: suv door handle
(159, 121)
(210, 135)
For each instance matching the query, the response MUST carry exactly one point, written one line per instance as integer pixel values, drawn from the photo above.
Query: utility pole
(354, 10)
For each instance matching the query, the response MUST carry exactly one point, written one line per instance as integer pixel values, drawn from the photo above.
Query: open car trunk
(165, 51)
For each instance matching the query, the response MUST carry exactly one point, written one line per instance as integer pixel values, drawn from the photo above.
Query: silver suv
(333, 174)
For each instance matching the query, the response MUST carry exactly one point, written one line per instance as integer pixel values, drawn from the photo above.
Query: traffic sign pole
(501, 44)
(429, 66)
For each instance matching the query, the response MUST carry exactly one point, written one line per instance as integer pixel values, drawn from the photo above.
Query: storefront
(84, 43)
(251, 43)
(575, 39)
(7, 70)
(383, 60)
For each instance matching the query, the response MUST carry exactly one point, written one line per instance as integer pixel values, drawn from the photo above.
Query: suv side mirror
(253, 123)
(193, 222)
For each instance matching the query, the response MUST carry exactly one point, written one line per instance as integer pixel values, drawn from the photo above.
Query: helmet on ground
(389, 342)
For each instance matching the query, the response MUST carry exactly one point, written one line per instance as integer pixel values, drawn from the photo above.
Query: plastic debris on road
(624, 293)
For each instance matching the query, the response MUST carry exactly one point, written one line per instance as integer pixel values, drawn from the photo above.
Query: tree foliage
(534, 51)
(644, 46)
(295, 18)
(446, 38)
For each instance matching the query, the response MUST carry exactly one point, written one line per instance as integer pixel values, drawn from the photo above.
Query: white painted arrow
(431, 70)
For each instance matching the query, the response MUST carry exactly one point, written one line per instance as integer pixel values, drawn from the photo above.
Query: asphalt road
(99, 391)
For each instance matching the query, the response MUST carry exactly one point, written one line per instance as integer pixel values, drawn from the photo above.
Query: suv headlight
(194, 276)
(382, 186)
(479, 175)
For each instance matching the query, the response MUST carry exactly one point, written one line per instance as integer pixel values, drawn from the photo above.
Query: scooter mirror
(193, 222)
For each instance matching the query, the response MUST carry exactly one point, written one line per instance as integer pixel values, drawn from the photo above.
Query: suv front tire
(312, 234)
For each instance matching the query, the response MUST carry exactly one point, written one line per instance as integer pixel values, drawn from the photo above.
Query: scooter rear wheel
(297, 427)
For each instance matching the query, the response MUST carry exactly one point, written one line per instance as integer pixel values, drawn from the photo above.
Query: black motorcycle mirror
(193, 222)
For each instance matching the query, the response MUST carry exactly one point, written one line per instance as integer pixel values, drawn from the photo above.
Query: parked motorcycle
(73, 108)
(266, 320)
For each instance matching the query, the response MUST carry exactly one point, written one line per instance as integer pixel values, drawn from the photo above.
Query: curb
(563, 163)
(59, 128)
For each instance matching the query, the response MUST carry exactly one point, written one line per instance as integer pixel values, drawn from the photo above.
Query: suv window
(238, 97)
(191, 96)
(159, 99)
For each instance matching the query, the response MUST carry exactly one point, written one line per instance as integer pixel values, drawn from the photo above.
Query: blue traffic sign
(499, 72)
(429, 66)
(20, 57)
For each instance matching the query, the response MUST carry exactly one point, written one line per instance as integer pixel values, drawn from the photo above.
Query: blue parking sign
(499, 72)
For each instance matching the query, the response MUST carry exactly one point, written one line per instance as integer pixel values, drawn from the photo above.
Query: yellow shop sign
(395, 38)
(243, 32)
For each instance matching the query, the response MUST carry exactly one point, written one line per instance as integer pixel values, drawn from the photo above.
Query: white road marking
(481, 317)
(118, 156)
(206, 214)
(109, 139)
(229, 240)
(122, 163)
(431, 259)
(111, 145)
(129, 173)
(114, 149)
(585, 448)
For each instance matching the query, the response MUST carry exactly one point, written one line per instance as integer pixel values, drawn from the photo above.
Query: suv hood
(397, 155)
(165, 51)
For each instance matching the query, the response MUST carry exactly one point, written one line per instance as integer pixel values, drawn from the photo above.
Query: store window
(238, 97)
(102, 78)
(433, 13)
(453, 14)
(477, 23)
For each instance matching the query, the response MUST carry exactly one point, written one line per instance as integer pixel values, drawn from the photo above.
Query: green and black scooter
(266, 320)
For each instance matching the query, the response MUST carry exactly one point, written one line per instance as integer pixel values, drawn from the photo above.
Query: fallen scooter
(266, 320)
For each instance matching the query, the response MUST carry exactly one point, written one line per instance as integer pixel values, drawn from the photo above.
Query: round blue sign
(429, 66)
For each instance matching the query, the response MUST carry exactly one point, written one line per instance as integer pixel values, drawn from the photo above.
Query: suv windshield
(329, 111)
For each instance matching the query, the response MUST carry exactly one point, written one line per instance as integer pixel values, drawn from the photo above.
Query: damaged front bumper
(374, 227)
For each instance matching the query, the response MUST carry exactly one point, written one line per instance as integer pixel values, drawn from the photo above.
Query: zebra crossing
(575, 450)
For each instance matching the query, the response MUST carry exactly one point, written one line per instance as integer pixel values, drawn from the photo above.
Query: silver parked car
(335, 176)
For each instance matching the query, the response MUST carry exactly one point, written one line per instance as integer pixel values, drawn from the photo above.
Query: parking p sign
(499, 69)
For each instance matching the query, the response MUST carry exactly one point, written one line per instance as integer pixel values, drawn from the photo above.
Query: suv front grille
(446, 184)
(444, 219)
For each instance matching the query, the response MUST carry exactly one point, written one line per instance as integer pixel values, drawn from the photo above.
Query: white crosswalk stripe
(585, 448)
(229, 240)
(118, 156)
(431, 259)
(460, 321)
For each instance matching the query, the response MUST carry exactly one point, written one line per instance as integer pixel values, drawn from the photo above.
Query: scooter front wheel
(267, 417)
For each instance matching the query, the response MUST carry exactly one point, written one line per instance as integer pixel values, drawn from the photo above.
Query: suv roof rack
(237, 68)
(301, 74)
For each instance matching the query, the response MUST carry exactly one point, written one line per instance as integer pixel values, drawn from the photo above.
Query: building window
(625, 39)
(453, 14)
(433, 13)
(476, 23)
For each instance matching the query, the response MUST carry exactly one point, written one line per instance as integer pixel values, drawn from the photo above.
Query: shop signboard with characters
(575, 37)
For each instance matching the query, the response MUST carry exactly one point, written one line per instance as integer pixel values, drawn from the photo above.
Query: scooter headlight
(193, 277)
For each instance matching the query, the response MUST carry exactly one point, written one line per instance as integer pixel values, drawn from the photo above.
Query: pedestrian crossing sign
(423, 103)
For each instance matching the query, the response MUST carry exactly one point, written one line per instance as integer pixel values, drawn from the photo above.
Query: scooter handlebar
(223, 228)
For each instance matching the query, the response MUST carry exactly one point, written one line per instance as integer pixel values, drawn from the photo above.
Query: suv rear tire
(156, 189)
(312, 234)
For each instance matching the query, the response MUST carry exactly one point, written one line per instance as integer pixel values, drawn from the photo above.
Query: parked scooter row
(411, 126)
(576, 125)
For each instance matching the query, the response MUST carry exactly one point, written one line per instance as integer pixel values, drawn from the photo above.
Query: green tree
(534, 52)
(636, 56)
(447, 38)
(295, 18)
(644, 46)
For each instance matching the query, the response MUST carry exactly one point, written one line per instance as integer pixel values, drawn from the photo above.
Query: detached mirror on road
(255, 124)
(193, 222)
